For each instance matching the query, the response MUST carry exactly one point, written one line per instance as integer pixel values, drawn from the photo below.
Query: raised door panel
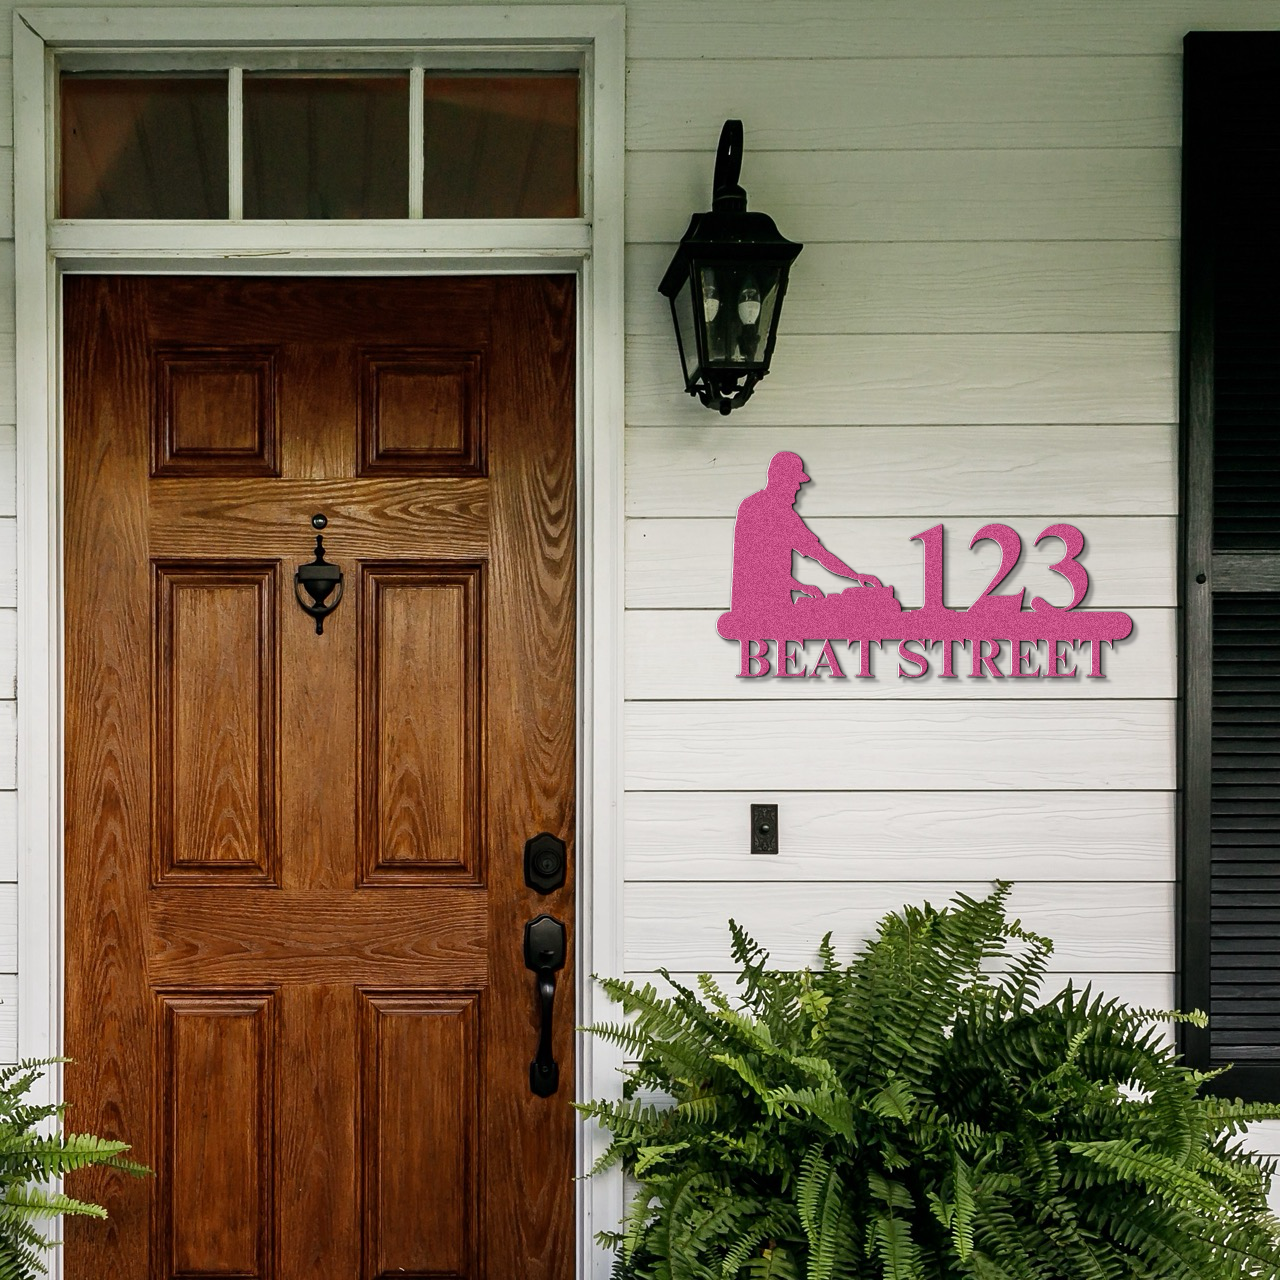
(215, 411)
(419, 1149)
(422, 654)
(216, 729)
(422, 412)
(216, 1087)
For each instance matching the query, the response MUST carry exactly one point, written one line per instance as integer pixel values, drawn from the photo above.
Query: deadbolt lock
(545, 863)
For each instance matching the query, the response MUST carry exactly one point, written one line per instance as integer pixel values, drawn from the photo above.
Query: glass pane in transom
(501, 146)
(326, 146)
(143, 146)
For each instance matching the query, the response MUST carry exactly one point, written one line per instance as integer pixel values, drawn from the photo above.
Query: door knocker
(319, 578)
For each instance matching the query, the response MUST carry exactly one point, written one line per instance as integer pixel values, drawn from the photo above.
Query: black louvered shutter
(1229, 958)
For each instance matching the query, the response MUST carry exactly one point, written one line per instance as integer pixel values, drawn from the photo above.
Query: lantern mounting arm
(726, 194)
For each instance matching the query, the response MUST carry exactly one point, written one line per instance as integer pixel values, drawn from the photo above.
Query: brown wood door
(295, 896)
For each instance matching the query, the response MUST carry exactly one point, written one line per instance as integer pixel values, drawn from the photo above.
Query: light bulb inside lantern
(710, 300)
(749, 304)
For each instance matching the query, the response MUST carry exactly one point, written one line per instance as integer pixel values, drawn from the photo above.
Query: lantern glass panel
(739, 302)
(686, 331)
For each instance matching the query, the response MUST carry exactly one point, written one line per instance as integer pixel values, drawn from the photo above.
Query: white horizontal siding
(683, 926)
(686, 564)
(1265, 1137)
(6, 186)
(981, 379)
(914, 836)
(8, 837)
(8, 363)
(8, 358)
(839, 104)
(8, 653)
(8, 935)
(7, 316)
(8, 586)
(847, 196)
(8, 467)
(8, 563)
(943, 29)
(1120, 286)
(936, 472)
(8, 878)
(8, 928)
(8, 765)
(900, 745)
(8, 1017)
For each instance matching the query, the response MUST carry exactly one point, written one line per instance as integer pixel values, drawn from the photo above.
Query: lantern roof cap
(727, 237)
(727, 232)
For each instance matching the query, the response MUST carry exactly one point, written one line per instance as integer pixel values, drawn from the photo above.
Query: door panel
(422, 779)
(420, 1110)
(217, 732)
(295, 899)
(422, 413)
(216, 1138)
(215, 411)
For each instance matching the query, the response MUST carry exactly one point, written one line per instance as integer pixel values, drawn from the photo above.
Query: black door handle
(544, 954)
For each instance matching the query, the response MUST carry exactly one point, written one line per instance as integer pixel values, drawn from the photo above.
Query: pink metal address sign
(773, 614)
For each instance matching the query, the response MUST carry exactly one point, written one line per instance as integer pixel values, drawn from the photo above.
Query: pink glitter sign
(773, 614)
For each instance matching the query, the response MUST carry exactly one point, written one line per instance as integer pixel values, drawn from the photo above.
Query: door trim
(591, 248)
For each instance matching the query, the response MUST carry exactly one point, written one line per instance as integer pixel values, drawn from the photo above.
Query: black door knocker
(319, 578)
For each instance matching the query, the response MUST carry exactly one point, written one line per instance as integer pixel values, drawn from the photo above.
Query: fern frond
(32, 1202)
(922, 1112)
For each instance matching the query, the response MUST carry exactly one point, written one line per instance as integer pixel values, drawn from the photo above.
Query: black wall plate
(764, 828)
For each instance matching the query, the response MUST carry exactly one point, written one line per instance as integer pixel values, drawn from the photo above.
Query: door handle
(544, 955)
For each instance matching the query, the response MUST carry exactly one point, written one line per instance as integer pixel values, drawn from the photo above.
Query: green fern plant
(922, 1114)
(31, 1157)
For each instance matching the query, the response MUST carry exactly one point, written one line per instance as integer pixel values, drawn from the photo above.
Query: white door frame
(591, 247)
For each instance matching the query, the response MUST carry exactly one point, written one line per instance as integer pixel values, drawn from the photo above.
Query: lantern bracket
(726, 194)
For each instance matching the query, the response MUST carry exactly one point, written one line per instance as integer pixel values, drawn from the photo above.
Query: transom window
(241, 143)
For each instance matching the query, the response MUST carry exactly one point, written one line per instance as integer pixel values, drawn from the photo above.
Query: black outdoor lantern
(726, 285)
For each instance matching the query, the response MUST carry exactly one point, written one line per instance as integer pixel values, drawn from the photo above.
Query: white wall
(982, 327)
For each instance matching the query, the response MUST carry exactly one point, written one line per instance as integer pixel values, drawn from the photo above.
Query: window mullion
(235, 143)
(417, 143)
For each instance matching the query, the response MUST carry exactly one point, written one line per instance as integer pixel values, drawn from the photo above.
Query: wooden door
(295, 896)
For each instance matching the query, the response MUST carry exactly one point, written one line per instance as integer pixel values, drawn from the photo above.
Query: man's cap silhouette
(787, 466)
